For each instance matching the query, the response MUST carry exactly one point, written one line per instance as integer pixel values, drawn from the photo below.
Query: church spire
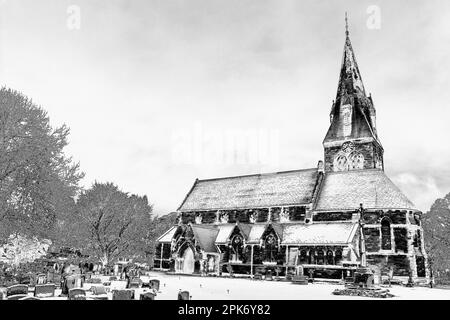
(346, 24)
(353, 116)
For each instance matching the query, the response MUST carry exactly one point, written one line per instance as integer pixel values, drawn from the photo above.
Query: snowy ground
(211, 288)
(214, 288)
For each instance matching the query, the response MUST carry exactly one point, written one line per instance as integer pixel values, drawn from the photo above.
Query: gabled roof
(257, 231)
(252, 191)
(205, 236)
(319, 233)
(348, 189)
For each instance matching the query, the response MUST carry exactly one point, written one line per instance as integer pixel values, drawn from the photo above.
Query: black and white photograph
(224, 150)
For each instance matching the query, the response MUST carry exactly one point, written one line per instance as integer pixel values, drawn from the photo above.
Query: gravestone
(97, 290)
(147, 296)
(183, 295)
(77, 294)
(44, 290)
(41, 279)
(135, 283)
(122, 295)
(154, 284)
(17, 289)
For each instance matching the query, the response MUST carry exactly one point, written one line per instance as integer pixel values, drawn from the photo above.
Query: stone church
(331, 219)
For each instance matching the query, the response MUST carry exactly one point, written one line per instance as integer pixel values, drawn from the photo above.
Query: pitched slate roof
(259, 190)
(346, 190)
(319, 233)
(205, 236)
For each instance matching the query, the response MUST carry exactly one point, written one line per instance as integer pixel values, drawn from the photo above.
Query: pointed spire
(351, 95)
(346, 24)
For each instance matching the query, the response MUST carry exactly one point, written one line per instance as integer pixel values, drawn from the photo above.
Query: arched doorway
(188, 261)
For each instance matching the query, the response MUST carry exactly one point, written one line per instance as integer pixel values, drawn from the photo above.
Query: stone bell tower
(351, 142)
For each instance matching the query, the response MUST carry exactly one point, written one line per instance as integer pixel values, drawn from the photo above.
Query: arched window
(270, 248)
(385, 235)
(303, 258)
(356, 161)
(340, 163)
(330, 258)
(236, 246)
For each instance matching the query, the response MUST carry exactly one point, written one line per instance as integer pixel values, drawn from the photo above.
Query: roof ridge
(258, 174)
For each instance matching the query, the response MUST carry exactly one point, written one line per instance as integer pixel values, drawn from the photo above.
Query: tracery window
(340, 163)
(271, 248)
(356, 161)
(236, 246)
(330, 258)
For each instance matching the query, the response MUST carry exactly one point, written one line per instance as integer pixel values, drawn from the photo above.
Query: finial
(346, 24)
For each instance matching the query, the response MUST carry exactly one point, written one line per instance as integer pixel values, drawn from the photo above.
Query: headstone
(77, 294)
(44, 290)
(154, 284)
(122, 295)
(41, 279)
(17, 289)
(183, 295)
(148, 296)
(97, 290)
(135, 283)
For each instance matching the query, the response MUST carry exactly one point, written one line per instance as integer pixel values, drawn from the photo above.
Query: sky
(158, 93)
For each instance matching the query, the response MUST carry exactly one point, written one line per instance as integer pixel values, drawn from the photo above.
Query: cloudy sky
(158, 93)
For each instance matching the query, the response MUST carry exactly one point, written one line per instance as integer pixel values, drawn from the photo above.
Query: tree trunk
(104, 260)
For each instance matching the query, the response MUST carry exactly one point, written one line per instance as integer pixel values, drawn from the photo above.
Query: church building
(342, 214)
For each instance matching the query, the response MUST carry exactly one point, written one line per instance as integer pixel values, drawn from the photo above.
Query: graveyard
(154, 285)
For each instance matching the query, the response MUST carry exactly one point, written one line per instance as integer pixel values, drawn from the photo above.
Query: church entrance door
(188, 261)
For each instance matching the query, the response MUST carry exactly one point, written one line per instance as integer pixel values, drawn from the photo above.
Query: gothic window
(340, 163)
(236, 246)
(356, 161)
(330, 258)
(271, 248)
(303, 258)
(386, 235)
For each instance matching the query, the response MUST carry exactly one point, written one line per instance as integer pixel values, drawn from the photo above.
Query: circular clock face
(341, 163)
(357, 161)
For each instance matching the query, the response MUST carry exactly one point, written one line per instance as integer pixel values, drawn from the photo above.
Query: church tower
(351, 142)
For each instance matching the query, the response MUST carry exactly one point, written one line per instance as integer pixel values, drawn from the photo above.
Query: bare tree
(112, 223)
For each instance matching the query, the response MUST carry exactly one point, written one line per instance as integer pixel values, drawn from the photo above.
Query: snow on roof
(347, 190)
(167, 237)
(319, 233)
(256, 233)
(259, 190)
(224, 232)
